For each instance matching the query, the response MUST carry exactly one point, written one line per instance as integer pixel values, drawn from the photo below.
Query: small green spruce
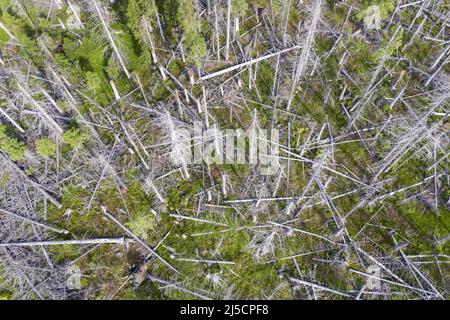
(45, 147)
(12, 147)
(74, 137)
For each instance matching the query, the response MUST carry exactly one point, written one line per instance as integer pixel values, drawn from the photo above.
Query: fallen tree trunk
(121, 241)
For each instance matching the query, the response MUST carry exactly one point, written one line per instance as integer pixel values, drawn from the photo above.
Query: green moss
(181, 195)
(264, 78)
(391, 46)
(141, 224)
(74, 197)
(63, 253)
(4, 178)
(362, 58)
(6, 293)
(429, 225)
(239, 7)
